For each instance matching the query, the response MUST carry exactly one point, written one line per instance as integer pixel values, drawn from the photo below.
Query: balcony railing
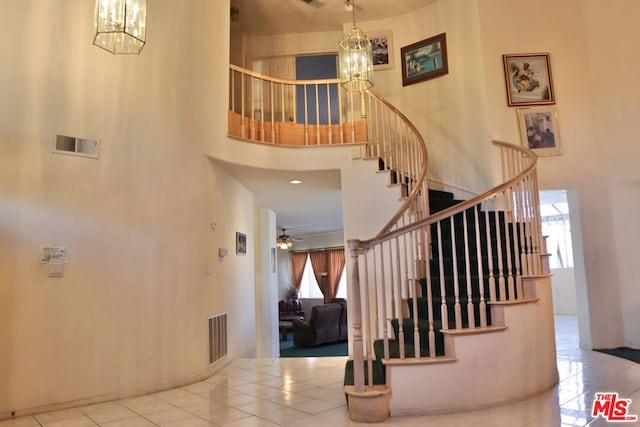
(293, 112)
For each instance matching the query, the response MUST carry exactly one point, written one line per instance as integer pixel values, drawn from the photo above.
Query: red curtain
(319, 264)
(298, 260)
(327, 267)
(335, 263)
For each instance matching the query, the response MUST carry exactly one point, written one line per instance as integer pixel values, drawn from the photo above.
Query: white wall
(563, 285)
(130, 313)
(589, 43)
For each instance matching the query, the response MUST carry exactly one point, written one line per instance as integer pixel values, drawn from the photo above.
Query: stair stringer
(490, 368)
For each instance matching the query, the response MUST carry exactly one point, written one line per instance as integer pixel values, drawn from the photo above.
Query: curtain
(298, 260)
(319, 264)
(331, 262)
(335, 258)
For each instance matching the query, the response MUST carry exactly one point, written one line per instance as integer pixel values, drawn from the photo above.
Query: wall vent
(76, 146)
(217, 337)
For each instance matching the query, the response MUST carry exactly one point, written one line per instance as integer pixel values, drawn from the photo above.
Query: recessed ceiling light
(295, 181)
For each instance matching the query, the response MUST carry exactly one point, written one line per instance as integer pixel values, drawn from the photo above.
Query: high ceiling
(315, 206)
(263, 17)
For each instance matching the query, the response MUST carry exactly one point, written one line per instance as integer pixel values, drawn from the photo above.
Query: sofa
(323, 326)
(344, 332)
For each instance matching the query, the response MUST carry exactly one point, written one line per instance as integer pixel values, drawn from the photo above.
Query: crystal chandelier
(356, 60)
(121, 25)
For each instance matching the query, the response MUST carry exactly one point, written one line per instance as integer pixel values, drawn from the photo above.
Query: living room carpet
(623, 352)
(287, 349)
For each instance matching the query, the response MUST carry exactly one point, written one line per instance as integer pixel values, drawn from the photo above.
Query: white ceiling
(313, 207)
(263, 17)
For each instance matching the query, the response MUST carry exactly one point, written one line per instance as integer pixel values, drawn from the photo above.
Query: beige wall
(590, 44)
(130, 313)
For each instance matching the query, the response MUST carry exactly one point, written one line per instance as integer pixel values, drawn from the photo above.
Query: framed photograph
(528, 79)
(539, 130)
(381, 49)
(241, 243)
(424, 60)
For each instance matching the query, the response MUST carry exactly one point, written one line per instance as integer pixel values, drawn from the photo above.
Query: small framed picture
(528, 79)
(539, 130)
(381, 49)
(241, 243)
(424, 60)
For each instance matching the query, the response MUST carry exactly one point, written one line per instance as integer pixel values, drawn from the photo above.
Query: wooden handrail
(460, 207)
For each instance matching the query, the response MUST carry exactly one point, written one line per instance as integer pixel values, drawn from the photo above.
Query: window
(555, 224)
(309, 286)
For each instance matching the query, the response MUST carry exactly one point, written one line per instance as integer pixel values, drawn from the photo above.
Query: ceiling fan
(285, 241)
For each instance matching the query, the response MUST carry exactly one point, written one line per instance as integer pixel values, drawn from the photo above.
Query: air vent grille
(217, 337)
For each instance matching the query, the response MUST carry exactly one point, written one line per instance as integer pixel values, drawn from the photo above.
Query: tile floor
(308, 392)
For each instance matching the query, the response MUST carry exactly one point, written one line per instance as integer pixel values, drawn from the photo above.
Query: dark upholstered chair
(323, 326)
(344, 332)
(290, 309)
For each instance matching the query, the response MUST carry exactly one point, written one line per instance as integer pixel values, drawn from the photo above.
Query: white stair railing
(476, 254)
(422, 274)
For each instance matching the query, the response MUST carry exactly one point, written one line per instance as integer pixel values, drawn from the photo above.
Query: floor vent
(217, 337)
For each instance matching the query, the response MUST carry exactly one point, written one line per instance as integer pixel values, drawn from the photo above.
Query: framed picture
(528, 79)
(241, 243)
(381, 49)
(539, 130)
(424, 60)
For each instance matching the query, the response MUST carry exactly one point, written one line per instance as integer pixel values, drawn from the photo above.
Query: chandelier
(121, 25)
(356, 60)
(284, 241)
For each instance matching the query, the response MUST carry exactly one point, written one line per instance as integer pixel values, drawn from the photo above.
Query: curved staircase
(450, 303)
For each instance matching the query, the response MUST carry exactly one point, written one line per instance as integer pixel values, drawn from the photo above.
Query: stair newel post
(443, 290)
(470, 312)
(501, 281)
(492, 278)
(358, 354)
(456, 283)
(482, 306)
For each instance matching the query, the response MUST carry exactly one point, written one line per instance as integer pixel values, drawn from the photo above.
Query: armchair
(323, 326)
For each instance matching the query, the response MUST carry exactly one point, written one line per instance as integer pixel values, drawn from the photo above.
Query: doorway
(561, 223)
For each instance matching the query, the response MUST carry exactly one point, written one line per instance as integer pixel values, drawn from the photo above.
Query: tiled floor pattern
(308, 392)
